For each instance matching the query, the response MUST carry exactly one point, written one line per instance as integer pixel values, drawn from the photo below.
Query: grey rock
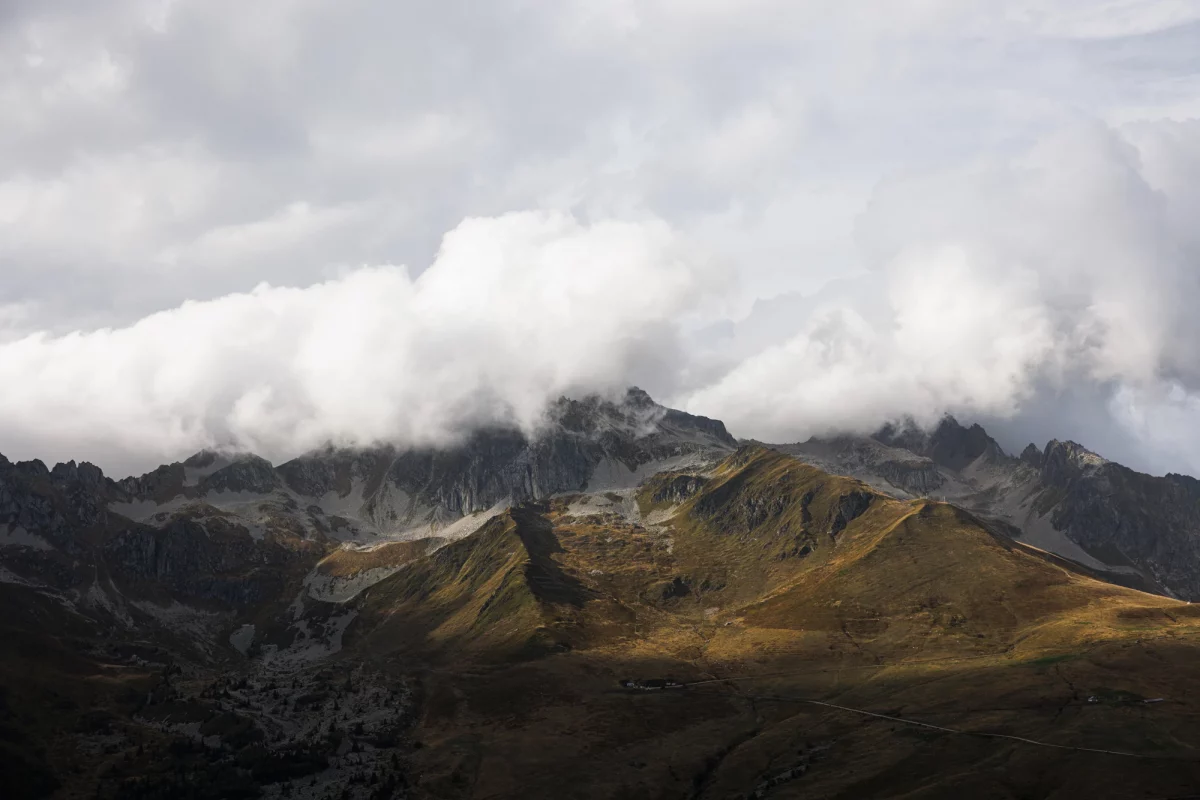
(248, 473)
(1032, 456)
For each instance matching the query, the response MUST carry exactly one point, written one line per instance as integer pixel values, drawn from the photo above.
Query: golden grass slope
(764, 547)
(763, 583)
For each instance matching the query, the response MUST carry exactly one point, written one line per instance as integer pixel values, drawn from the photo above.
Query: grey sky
(1032, 164)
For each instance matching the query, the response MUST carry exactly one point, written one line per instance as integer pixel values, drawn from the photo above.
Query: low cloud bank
(1069, 270)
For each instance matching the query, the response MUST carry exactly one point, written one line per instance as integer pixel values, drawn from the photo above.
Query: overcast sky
(274, 224)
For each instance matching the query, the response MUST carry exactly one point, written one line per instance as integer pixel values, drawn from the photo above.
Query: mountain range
(1133, 528)
(625, 602)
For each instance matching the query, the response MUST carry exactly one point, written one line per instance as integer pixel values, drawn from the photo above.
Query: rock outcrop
(1126, 517)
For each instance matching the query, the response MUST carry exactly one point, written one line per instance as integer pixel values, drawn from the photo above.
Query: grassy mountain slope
(814, 621)
(489, 594)
(765, 583)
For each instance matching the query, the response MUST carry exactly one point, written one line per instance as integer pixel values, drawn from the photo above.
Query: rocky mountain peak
(949, 444)
(245, 473)
(903, 435)
(361, 494)
(953, 445)
(1066, 461)
(85, 473)
(32, 469)
(634, 416)
(55, 504)
(64, 477)
(1032, 455)
(203, 459)
(1187, 482)
(639, 398)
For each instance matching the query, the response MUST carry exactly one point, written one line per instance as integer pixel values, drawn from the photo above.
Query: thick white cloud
(515, 310)
(1073, 266)
(978, 206)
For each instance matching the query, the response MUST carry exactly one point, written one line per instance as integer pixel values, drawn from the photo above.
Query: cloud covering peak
(793, 217)
(513, 311)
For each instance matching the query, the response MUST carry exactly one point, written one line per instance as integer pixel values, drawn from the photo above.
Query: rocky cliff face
(197, 562)
(920, 478)
(59, 531)
(63, 506)
(1126, 517)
